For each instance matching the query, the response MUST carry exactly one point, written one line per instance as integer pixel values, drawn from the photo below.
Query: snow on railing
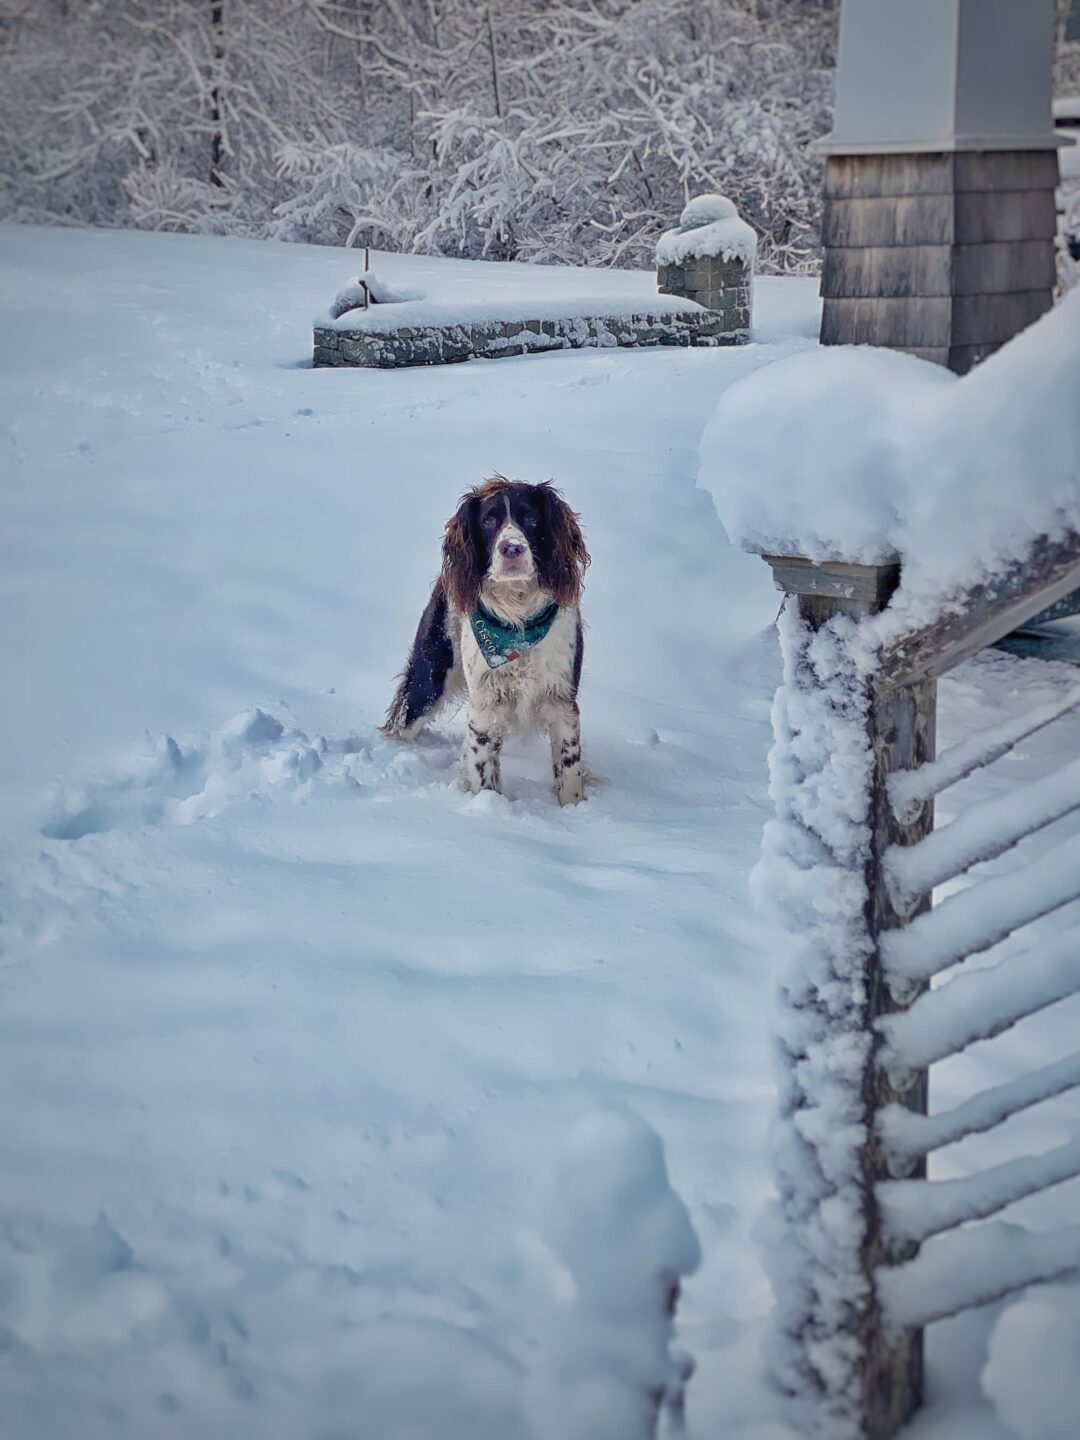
(848, 868)
(910, 788)
(905, 1134)
(982, 915)
(982, 833)
(975, 1267)
(979, 1006)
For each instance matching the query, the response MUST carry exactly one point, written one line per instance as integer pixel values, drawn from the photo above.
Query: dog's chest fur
(519, 690)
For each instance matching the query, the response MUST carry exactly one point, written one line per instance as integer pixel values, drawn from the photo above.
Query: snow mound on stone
(704, 209)
(378, 291)
(709, 226)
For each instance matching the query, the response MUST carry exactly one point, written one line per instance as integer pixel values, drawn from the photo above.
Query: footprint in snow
(170, 783)
(254, 755)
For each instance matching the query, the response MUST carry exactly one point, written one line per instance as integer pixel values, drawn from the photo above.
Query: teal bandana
(500, 643)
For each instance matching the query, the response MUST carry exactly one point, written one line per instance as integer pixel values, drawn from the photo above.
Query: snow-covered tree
(552, 130)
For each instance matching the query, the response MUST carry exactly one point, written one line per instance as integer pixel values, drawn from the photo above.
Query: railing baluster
(911, 788)
(906, 1135)
(973, 1267)
(983, 914)
(916, 1209)
(981, 1005)
(981, 833)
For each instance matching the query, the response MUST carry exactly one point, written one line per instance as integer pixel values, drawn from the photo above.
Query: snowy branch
(517, 129)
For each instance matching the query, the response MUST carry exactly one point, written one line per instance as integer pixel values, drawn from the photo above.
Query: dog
(503, 626)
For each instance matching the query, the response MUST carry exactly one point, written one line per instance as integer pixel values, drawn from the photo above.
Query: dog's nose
(511, 549)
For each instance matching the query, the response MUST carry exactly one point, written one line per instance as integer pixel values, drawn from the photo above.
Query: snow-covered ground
(298, 1043)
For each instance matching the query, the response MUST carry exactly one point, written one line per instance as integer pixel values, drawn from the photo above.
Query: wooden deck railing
(857, 994)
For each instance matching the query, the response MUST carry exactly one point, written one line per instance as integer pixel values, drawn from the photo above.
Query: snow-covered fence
(849, 865)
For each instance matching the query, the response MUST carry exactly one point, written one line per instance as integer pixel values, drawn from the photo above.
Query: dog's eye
(489, 522)
(528, 521)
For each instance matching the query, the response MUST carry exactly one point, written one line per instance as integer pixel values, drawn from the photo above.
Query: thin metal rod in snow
(906, 1135)
(981, 915)
(981, 833)
(974, 1267)
(916, 1209)
(909, 789)
(980, 1005)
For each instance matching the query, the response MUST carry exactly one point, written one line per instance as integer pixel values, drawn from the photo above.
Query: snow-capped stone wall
(709, 258)
(493, 339)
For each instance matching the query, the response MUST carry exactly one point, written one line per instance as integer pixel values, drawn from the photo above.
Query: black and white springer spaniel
(503, 625)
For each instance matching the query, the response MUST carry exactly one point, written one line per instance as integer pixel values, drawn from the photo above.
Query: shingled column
(939, 186)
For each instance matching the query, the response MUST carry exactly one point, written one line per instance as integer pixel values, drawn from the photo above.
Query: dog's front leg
(480, 768)
(564, 727)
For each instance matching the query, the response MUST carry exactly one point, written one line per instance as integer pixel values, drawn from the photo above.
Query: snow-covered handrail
(910, 789)
(974, 1267)
(906, 1135)
(981, 833)
(982, 915)
(986, 613)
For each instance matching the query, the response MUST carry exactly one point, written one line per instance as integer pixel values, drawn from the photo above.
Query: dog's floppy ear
(564, 562)
(461, 556)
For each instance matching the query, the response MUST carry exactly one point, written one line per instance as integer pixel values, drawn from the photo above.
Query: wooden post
(901, 722)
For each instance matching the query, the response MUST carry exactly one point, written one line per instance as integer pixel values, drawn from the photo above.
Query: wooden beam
(865, 585)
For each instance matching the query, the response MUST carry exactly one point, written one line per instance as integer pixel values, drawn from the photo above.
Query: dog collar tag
(499, 643)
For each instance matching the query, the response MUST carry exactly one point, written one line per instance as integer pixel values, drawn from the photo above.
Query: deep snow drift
(302, 1042)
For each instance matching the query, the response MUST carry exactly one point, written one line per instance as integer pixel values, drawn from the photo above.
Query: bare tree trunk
(496, 84)
(217, 52)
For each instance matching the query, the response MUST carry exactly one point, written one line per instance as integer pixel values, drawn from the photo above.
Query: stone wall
(722, 286)
(491, 339)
